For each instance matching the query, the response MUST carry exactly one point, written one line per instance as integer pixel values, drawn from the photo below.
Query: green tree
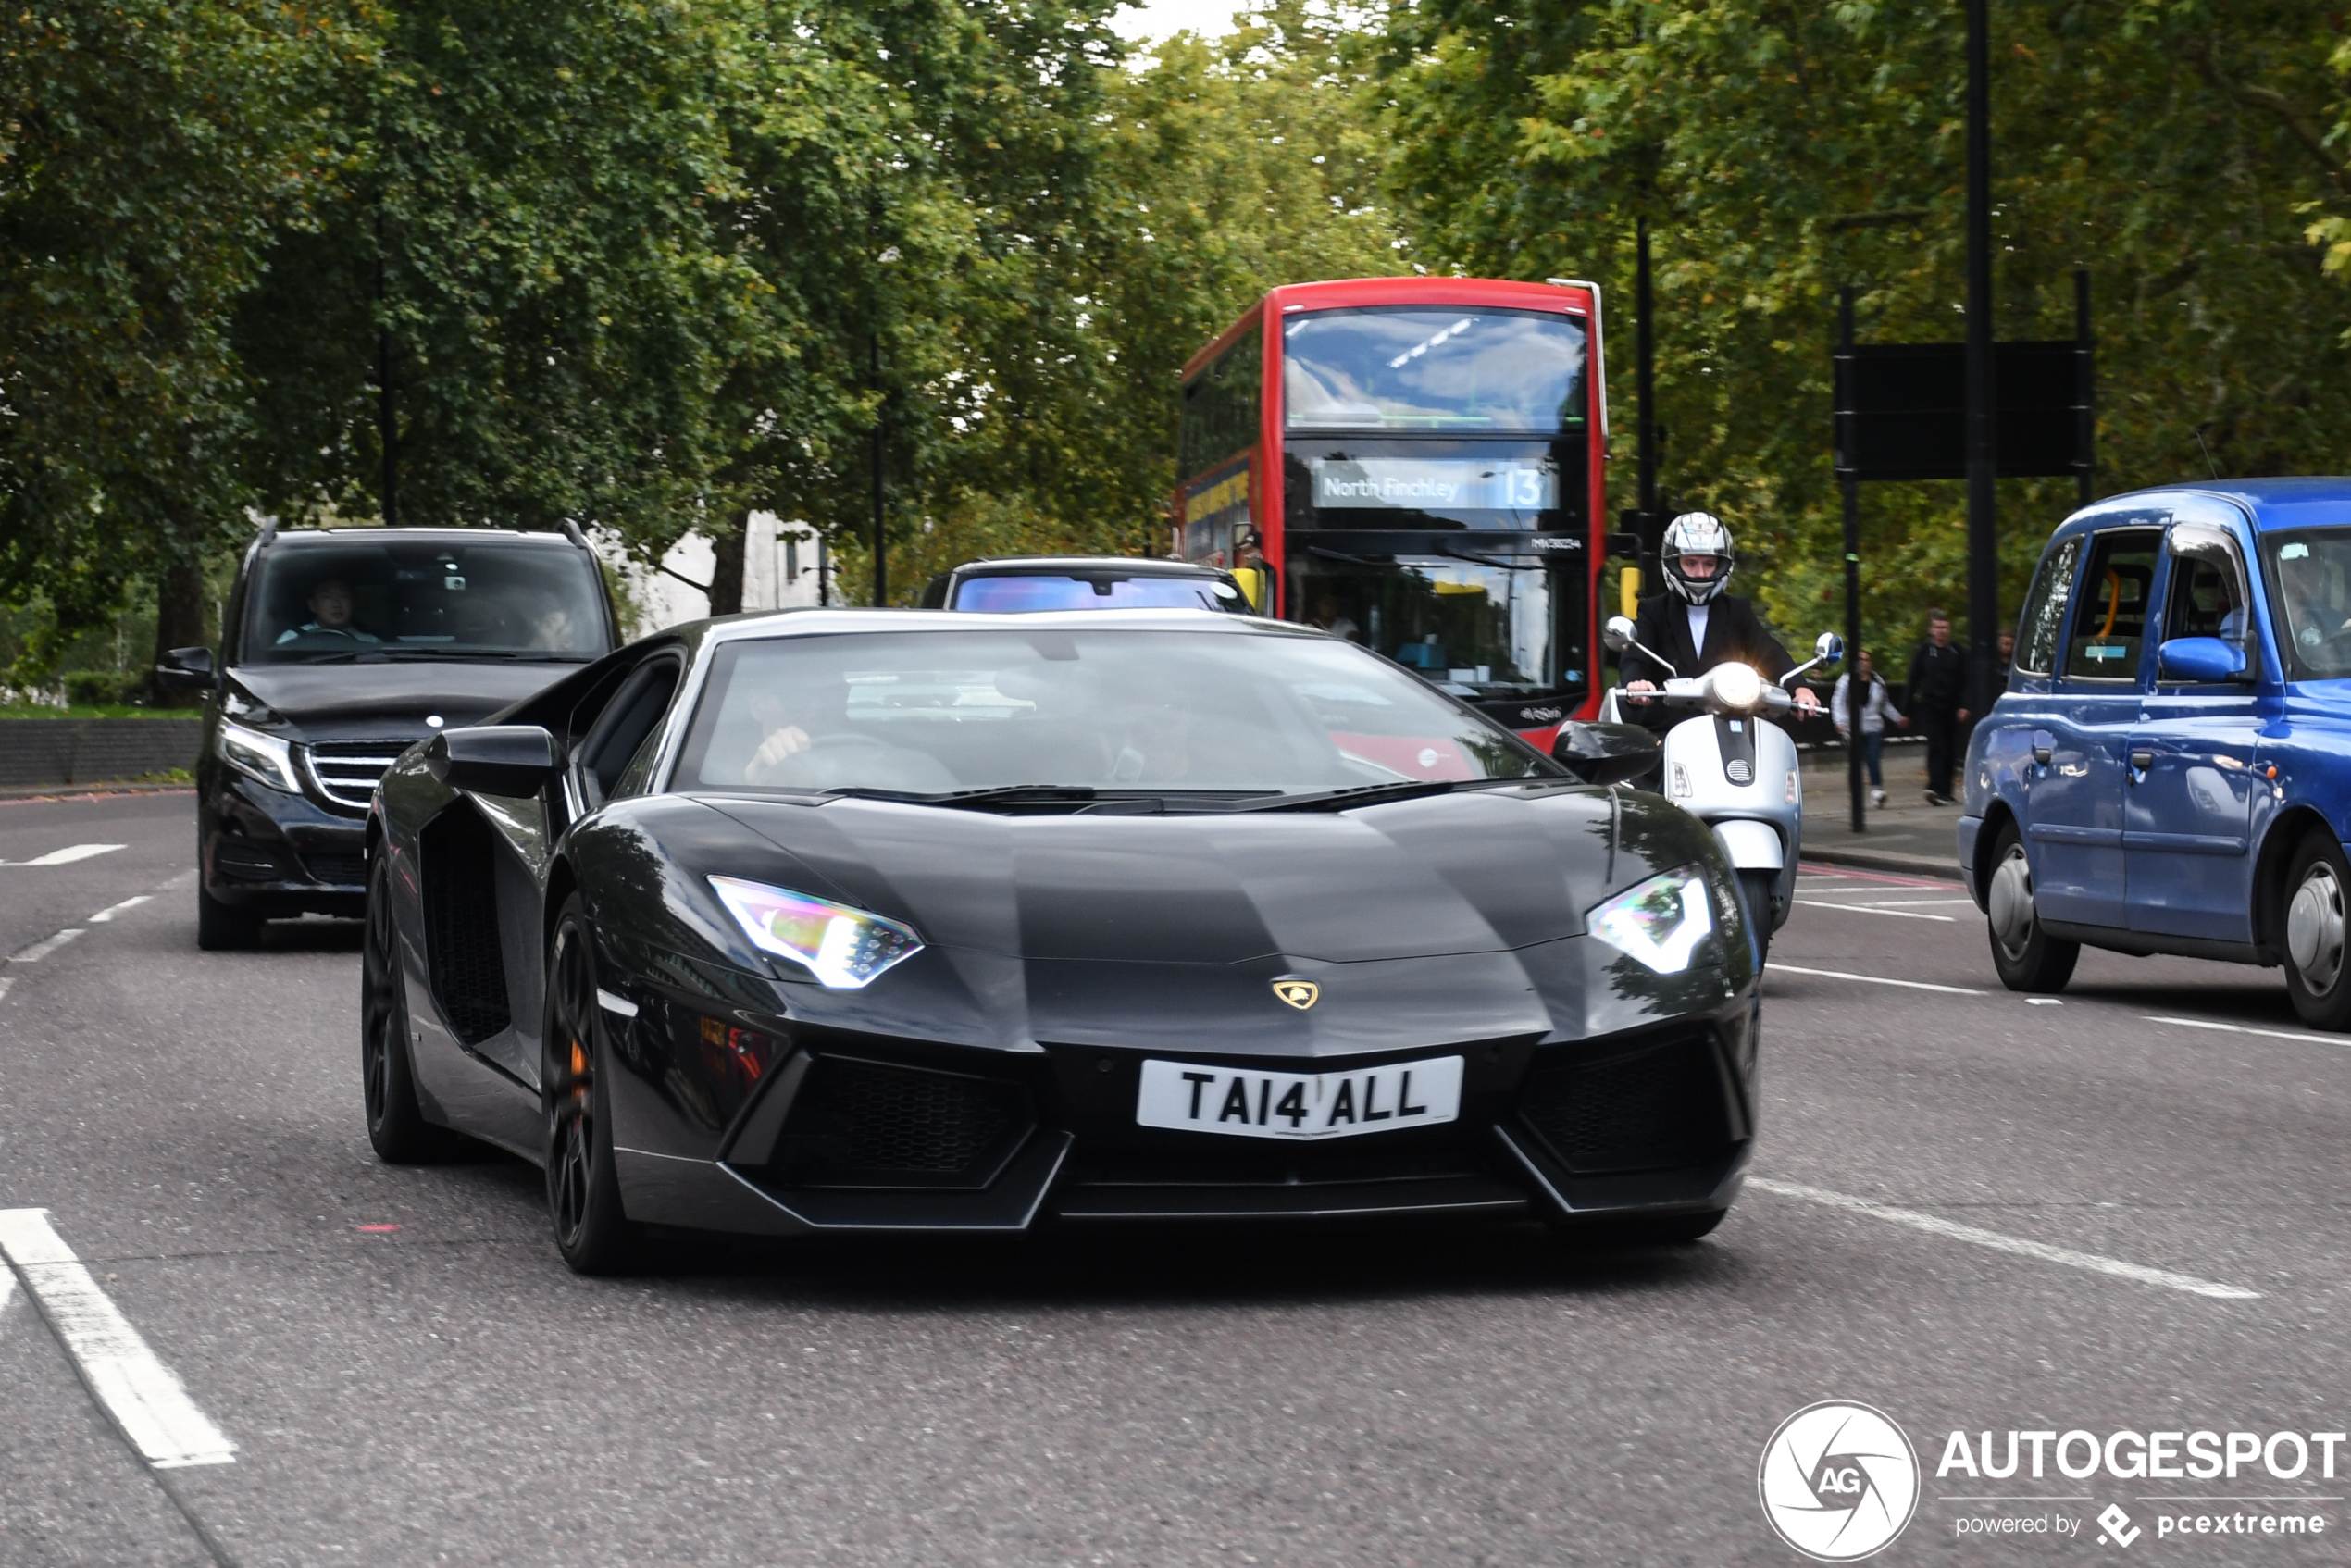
(148, 151)
(1783, 152)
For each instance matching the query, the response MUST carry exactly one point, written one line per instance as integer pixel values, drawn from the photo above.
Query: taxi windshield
(1116, 711)
(2310, 574)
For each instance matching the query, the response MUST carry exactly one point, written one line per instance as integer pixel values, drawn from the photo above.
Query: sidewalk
(1906, 834)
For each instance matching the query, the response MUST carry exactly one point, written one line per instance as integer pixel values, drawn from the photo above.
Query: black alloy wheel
(2028, 958)
(2312, 922)
(583, 1186)
(396, 1123)
(1755, 894)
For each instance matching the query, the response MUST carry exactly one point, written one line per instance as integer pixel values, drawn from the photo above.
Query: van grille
(346, 771)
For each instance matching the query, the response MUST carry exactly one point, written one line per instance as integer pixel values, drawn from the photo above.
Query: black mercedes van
(341, 648)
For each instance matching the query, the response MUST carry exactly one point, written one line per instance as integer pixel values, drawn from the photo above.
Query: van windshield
(398, 598)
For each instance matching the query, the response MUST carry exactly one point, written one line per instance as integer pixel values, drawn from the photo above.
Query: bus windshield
(934, 712)
(1445, 368)
(1477, 629)
(426, 598)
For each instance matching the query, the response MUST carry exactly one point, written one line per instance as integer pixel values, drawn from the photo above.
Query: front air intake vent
(868, 1123)
(461, 922)
(1659, 1106)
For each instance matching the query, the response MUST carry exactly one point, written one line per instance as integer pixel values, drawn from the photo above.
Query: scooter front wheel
(1755, 887)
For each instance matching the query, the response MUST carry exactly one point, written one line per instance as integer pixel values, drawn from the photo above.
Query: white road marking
(5, 984)
(2308, 1036)
(44, 947)
(1934, 1225)
(1873, 979)
(112, 910)
(65, 856)
(185, 880)
(2042, 1002)
(1875, 909)
(145, 1399)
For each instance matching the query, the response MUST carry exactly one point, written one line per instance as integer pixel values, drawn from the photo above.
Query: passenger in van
(331, 605)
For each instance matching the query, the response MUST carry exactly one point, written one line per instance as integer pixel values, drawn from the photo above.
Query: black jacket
(1938, 677)
(1731, 632)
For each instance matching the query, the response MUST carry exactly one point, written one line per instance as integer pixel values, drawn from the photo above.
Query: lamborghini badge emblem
(1300, 994)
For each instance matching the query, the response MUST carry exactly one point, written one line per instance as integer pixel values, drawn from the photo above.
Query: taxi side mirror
(2198, 660)
(1604, 753)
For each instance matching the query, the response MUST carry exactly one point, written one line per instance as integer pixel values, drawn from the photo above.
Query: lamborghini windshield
(1104, 713)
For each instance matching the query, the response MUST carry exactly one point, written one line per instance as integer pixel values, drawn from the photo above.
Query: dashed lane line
(1776, 967)
(44, 947)
(114, 909)
(145, 1398)
(68, 856)
(1975, 1236)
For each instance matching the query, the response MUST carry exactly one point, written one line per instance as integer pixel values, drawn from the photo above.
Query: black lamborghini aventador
(909, 921)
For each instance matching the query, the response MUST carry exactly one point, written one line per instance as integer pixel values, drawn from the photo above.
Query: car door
(2188, 795)
(2074, 821)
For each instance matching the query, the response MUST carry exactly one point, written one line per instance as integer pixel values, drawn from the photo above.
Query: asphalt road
(1971, 1212)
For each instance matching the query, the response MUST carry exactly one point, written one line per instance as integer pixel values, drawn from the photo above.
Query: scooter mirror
(1829, 648)
(1620, 633)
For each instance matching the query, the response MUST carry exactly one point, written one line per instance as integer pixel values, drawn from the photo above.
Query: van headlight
(265, 759)
(844, 948)
(1660, 922)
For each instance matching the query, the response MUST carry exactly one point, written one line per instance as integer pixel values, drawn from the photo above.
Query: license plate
(1246, 1103)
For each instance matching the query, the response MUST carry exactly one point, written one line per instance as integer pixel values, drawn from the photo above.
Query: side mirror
(493, 759)
(1604, 753)
(1828, 648)
(185, 669)
(1620, 633)
(2198, 660)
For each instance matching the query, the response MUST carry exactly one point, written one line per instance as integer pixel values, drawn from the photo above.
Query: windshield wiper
(1371, 794)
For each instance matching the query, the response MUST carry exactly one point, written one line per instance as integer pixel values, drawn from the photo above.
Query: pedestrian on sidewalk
(1938, 701)
(1876, 709)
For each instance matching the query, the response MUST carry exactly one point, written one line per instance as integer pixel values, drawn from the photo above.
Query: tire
(583, 1184)
(1756, 888)
(2311, 917)
(396, 1123)
(223, 927)
(2028, 958)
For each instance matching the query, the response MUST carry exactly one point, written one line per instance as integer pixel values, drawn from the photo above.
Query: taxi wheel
(2028, 958)
(583, 1183)
(2312, 923)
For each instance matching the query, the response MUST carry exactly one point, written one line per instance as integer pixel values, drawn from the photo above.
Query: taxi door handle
(2142, 761)
(2041, 755)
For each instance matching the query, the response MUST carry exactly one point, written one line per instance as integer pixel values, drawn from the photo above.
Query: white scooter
(1734, 770)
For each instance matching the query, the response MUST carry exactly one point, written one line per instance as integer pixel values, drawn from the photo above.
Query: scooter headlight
(1660, 922)
(846, 949)
(1737, 687)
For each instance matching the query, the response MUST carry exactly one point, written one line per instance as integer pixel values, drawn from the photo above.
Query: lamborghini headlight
(1660, 923)
(844, 948)
(263, 758)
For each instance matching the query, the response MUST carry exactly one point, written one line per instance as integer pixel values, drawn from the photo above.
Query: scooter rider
(1695, 625)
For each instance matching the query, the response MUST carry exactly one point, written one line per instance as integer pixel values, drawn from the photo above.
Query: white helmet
(1696, 533)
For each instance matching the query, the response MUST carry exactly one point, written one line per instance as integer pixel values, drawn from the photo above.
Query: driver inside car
(1696, 626)
(331, 605)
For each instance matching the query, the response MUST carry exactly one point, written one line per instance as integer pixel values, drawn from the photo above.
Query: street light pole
(1644, 384)
(1982, 562)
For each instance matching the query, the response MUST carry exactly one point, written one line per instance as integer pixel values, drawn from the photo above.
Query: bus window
(1432, 369)
(1220, 406)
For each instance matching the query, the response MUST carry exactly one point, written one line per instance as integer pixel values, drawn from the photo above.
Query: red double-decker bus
(1415, 464)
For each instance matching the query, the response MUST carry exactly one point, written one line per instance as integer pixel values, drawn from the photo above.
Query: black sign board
(1901, 410)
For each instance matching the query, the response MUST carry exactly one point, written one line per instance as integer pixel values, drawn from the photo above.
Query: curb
(1884, 860)
(15, 794)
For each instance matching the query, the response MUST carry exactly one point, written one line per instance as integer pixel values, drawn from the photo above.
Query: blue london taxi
(2170, 767)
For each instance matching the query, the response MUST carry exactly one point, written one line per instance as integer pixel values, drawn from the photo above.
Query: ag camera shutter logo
(1838, 1481)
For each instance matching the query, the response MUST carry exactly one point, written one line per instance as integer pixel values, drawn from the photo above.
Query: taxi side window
(2112, 606)
(2203, 601)
(2036, 639)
